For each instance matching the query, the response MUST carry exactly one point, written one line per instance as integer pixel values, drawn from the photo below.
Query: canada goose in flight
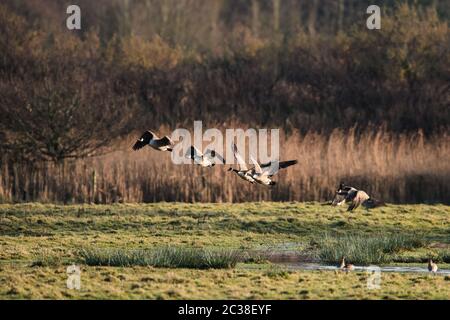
(152, 140)
(263, 173)
(205, 160)
(432, 267)
(346, 266)
(244, 172)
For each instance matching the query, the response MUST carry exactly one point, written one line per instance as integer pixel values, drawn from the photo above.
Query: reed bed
(392, 168)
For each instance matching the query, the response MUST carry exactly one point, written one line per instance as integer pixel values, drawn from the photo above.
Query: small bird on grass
(432, 267)
(346, 266)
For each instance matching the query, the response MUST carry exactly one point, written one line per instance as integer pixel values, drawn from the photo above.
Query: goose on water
(150, 139)
(207, 160)
(346, 266)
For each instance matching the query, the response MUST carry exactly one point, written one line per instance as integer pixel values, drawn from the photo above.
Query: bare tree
(55, 120)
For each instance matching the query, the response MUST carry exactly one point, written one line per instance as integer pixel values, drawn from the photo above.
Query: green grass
(46, 259)
(364, 250)
(266, 282)
(116, 247)
(444, 256)
(165, 257)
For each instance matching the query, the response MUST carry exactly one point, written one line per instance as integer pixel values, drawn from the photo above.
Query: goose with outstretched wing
(206, 160)
(150, 139)
(354, 197)
(244, 172)
(341, 194)
(263, 173)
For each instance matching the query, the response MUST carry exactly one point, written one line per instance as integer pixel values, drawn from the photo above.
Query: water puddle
(316, 266)
(295, 260)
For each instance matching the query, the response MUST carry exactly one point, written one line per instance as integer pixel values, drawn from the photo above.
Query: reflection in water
(315, 266)
(297, 260)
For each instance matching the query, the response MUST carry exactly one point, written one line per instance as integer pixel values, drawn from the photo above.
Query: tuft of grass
(276, 272)
(365, 250)
(46, 259)
(444, 256)
(164, 257)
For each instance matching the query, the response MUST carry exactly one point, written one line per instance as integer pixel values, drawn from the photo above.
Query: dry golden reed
(390, 167)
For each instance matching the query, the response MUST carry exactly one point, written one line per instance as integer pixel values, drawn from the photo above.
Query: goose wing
(143, 140)
(351, 195)
(193, 153)
(257, 169)
(345, 189)
(281, 164)
(139, 145)
(273, 167)
(239, 158)
(285, 164)
(213, 155)
(163, 142)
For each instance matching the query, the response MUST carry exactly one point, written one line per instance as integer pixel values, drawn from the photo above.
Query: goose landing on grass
(355, 197)
(150, 139)
(341, 194)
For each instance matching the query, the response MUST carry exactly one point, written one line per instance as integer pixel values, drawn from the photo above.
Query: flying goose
(263, 173)
(152, 140)
(432, 267)
(341, 194)
(205, 160)
(244, 172)
(346, 266)
(355, 197)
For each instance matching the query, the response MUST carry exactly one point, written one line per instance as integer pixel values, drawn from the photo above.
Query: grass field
(207, 251)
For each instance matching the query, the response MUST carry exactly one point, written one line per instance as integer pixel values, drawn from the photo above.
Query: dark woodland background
(368, 107)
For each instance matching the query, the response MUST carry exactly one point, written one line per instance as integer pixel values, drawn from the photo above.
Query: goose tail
(374, 203)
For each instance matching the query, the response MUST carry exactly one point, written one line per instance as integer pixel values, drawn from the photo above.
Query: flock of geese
(262, 174)
(259, 173)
